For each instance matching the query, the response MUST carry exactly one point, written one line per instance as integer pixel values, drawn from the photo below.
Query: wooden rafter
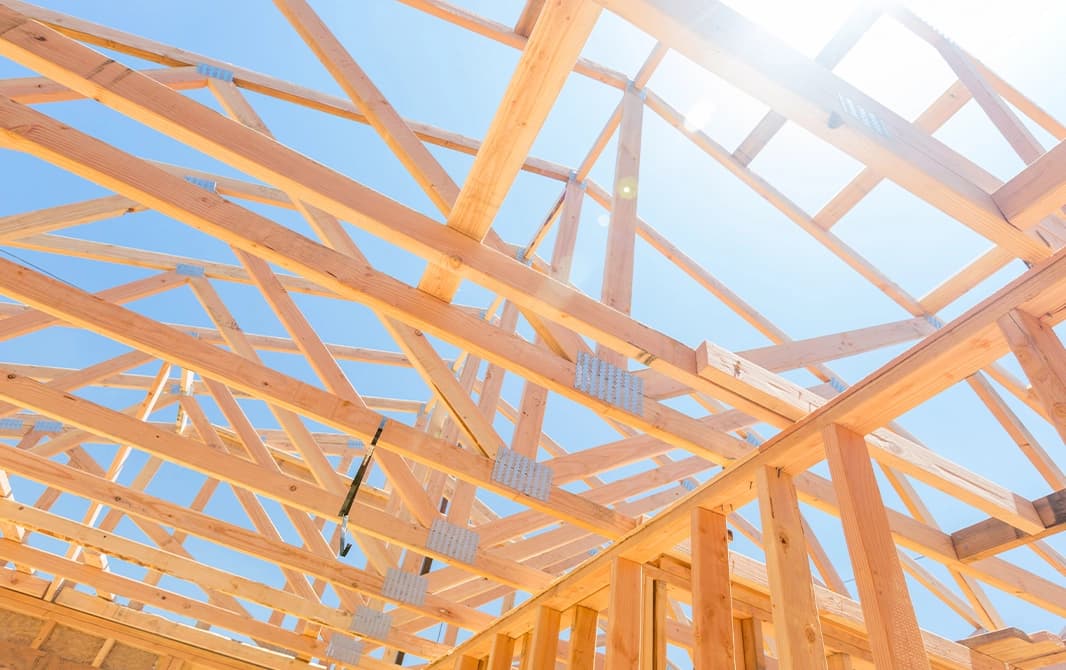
(271, 451)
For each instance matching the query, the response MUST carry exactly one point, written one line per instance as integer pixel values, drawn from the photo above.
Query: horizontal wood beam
(1036, 191)
(992, 536)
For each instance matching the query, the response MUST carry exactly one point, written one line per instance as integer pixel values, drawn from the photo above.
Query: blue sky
(440, 74)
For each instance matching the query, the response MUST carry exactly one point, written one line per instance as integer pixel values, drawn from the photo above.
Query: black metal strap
(345, 546)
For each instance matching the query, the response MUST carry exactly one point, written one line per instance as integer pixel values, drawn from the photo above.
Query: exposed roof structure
(708, 356)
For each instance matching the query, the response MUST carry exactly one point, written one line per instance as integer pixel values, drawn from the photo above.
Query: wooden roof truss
(662, 573)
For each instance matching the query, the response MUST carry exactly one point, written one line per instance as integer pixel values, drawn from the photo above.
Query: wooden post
(617, 287)
(566, 235)
(545, 645)
(524, 661)
(467, 663)
(502, 652)
(895, 640)
(712, 600)
(618, 265)
(796, 626)
(624, 615)
(653, 626)
(747, 636)
(583, 639)
(839, 662)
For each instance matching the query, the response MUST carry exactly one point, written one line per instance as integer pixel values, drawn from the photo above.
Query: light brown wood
(502, 653)
(653, 630)
(212, 404)
(545, 643)
(839, 662)
(750, 655)
(626, 615)
(553, 47)
(712, 614)
(1043, 358)
(621, 234)
(582, 654)
(1036, 191)
(886, 604)
(795, 615)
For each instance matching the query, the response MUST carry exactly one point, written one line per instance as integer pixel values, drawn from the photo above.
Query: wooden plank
(1036, 191)
(619, 336)
(991, 536)
(326, 407)
(181, 78)
(653, 628)
(747, 632)
(617, 283)
(895, 639)
(528, 18)
(839, 662)
(414, 155)
(625, 615)
(467, 663)
(808, 94)
(40, 90)
(224, 654)
(548, 57)
(163, 599)
(810, 351)
(712, 613)
(205, 576)
(795, 614)
(845, 38)
(1043, 358)
(55, 218)
(1011, 423)
(545, 643)
(502, 653)
(582, 653)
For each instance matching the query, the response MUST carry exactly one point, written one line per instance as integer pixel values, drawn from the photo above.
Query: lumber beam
(502, 653)
(214, 653)
(182, 61)
(1036, 191)
(64, 216)
(1043, 358)
(625, 615)
(943, 357)
(750, 654)
(991, 536)
(414, 155)
(621, 233)
(797, 628)
(545, 641)
(845, 38)
(528, 18)
(582, 652)
(291, 394)
(886, 605)
(287, 490)
(553, 47)
(654, 625)
(712, 600)
(747, 56)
